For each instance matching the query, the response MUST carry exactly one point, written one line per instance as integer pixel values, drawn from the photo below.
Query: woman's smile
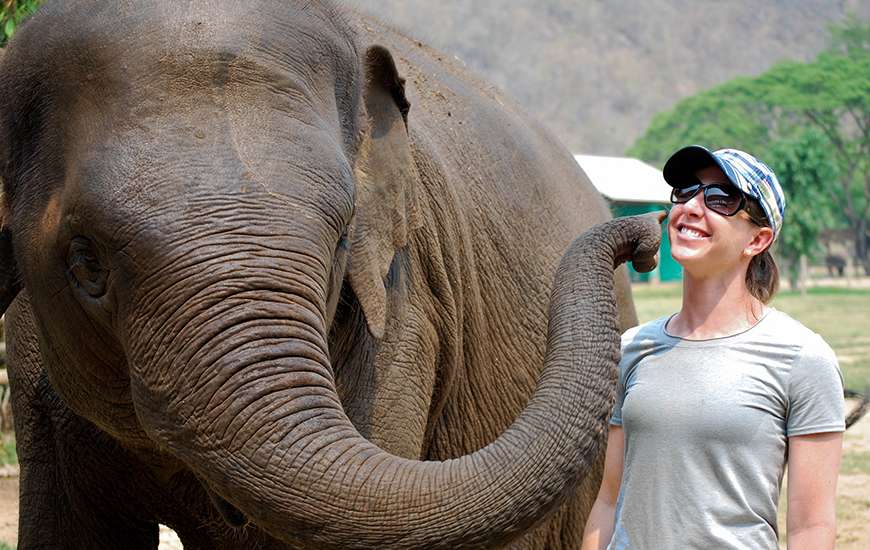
(691, 232)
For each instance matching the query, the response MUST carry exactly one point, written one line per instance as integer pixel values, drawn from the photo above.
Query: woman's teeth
(692, 233)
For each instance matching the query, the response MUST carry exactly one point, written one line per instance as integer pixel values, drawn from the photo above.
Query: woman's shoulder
(651, 331)
(646, 329)
(786, 330)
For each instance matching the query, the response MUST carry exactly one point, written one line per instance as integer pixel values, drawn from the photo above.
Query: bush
(12, 14)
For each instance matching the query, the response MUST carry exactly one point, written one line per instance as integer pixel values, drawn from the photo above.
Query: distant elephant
(277, 276)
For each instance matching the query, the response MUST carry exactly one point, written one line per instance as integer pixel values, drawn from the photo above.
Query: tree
(850, 37)
(804, 166)
(830, 95)
(13, 12)
(833, 96)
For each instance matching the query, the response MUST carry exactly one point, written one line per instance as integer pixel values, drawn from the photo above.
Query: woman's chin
(688, 255)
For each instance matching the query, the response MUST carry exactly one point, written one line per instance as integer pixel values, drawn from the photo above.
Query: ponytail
(762, 277)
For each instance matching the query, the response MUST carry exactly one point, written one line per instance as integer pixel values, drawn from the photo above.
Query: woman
(713, 400)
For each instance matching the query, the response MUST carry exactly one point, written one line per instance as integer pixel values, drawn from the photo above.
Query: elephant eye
(84, 267)
(342, 241)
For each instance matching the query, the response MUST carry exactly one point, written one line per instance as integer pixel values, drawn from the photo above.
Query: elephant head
(183, 213)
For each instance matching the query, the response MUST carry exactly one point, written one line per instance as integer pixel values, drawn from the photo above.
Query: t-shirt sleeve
(815, 391)
(616, 417)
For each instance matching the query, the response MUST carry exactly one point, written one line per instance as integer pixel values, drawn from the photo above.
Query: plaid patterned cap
(745, 172)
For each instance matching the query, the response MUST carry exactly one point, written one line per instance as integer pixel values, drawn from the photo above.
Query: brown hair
(762, 276)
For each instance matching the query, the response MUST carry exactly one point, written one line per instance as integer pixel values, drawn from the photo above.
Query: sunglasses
(721, 198)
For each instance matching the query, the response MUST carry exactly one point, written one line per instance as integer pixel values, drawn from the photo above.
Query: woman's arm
(599, 526)
(813, 465)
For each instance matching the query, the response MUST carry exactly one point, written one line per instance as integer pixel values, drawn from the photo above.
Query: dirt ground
(853, 494)
(9, 510)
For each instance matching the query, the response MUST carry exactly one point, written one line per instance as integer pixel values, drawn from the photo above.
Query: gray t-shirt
(706, 430)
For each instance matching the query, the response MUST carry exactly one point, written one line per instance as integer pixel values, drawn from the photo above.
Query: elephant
(277, 275)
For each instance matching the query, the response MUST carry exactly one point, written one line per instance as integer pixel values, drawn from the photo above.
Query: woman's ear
(762, 240)
(386, 209)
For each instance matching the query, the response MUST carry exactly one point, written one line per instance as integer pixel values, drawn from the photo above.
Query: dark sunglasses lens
(685, 194)
(721, 199)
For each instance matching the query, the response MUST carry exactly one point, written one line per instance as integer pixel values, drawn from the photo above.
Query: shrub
(12, 14)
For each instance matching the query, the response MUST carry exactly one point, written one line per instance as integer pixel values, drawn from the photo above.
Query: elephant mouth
(230, 514)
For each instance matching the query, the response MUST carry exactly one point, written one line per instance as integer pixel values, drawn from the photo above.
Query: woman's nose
(695, 205)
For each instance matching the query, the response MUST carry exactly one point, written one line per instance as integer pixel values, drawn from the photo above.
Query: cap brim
(680, 169)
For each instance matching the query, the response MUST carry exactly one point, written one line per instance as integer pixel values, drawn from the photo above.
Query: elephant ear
(386, 209)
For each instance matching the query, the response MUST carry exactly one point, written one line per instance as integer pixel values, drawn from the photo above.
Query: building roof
(622, 179)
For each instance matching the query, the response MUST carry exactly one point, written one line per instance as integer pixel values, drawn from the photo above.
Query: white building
(626, 180)
(634, 187)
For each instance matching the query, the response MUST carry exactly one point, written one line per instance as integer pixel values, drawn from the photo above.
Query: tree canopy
(803, 165)
(771, 114)
(12, 13)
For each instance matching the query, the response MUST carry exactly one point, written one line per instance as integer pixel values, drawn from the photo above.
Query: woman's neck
(715, 306)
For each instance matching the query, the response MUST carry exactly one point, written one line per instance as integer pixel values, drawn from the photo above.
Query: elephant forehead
(126, 62)
(197, 39)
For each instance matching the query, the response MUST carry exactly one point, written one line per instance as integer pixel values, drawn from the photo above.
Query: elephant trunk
(267, 432)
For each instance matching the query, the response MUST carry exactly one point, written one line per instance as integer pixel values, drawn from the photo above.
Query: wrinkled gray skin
(256, 297)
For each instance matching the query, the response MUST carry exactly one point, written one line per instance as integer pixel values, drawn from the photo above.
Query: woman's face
(706, 243)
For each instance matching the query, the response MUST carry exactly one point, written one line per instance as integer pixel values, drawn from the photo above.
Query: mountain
(597, 71)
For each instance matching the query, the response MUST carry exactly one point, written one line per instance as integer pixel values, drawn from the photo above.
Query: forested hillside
(596, 71)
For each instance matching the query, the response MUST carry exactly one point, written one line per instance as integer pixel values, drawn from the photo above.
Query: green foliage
(8, 453)
(853, 35)
(734, 114)
(5, 546)
(12, 14)
(770, 114)
(804, 167)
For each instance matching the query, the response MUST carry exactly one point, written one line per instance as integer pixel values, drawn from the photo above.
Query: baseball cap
(744, 171)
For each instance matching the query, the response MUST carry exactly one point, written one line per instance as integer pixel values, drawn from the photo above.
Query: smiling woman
(723, 197)
(714, 399)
